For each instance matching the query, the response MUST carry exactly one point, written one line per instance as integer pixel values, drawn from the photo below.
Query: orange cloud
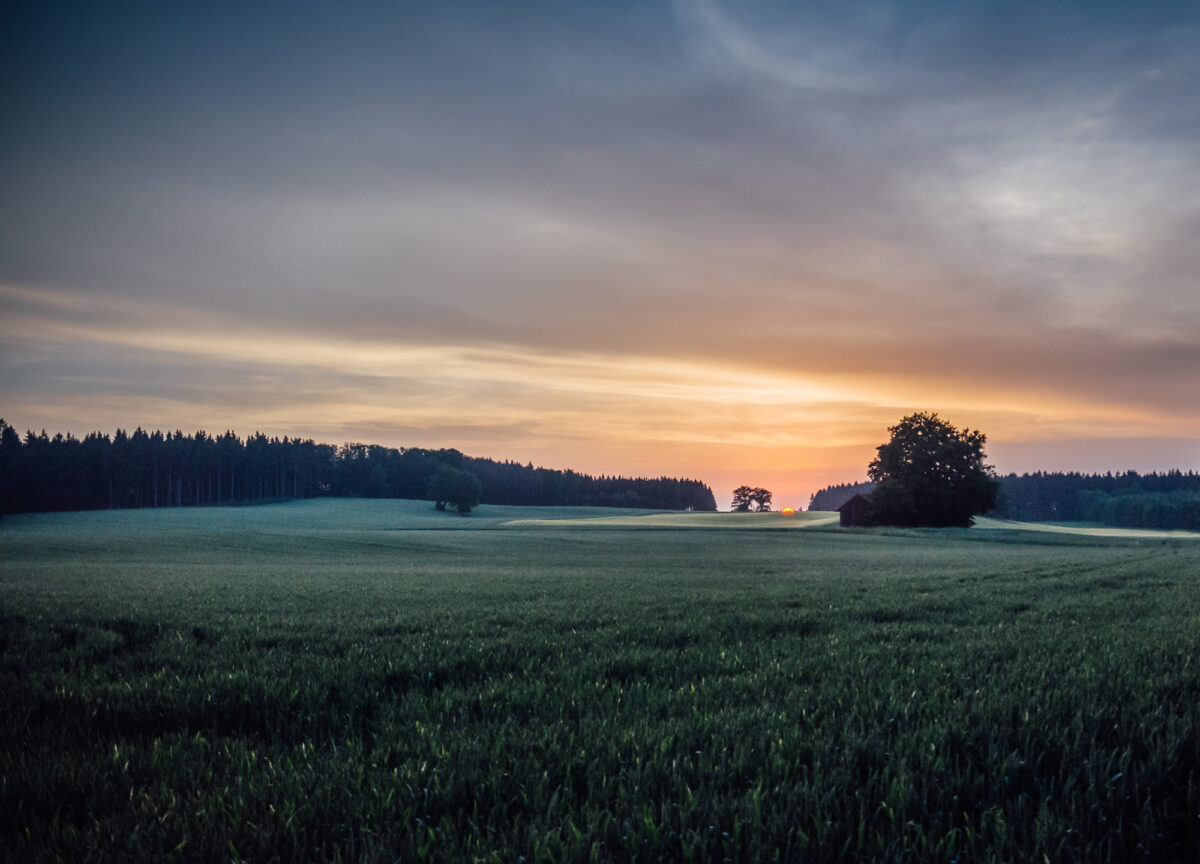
(728, 423)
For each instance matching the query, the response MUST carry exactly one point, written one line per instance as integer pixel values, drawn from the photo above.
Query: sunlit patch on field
(617, 519)
(1084, 530)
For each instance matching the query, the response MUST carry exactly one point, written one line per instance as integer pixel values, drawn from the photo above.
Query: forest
(1170, 500)
(833, 497)
(40, 473)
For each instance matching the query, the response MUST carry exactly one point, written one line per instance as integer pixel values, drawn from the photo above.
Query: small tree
(452, 486)
(747, 498)
(743, 497)
(931, 474)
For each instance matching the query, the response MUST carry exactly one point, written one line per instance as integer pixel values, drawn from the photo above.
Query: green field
(375, 681)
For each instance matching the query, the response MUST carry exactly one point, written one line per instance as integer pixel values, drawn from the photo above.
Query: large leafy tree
(452, 486)
(931, 473)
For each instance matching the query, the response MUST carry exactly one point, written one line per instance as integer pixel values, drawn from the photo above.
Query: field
(375, 681)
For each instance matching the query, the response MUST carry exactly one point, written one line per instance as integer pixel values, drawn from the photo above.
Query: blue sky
(732, 241)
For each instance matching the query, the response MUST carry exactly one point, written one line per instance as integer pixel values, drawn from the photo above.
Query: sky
(716, 240)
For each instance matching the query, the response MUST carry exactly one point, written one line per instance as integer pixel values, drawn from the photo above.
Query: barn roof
(858, 500)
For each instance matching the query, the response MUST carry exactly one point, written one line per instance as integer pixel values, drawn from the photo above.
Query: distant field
(376, 681)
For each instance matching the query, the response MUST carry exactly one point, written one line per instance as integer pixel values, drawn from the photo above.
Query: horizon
(732, 243)
(723, 500)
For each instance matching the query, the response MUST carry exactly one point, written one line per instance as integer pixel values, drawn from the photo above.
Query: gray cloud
(997, 190)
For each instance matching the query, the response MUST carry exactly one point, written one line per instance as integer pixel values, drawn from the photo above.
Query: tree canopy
(747, 498)
(932, 474)
(1170, 500)
(454, 486)
(833, 497)
(40, 472)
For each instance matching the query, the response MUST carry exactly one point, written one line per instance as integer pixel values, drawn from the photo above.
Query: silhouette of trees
(747, 498)
(930, 473)
(144, 469)
(453, 486)
(743, 497)
(1170, 500)
(833, 497)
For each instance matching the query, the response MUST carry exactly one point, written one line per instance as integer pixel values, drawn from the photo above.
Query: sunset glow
(728, 242)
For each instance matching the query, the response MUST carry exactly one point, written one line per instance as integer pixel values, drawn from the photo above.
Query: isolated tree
(930, 473)
(743, 497)
(762, 500)
(452, 486)
(747, 498)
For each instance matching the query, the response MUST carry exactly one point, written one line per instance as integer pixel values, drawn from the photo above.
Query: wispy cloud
(802, 61)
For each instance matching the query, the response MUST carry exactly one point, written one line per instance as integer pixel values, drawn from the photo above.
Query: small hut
(856, 512)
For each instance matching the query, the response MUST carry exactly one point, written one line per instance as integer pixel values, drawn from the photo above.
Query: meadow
(343, 680)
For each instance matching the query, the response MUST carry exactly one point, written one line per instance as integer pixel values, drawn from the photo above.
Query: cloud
(604, 223)
(803, 61)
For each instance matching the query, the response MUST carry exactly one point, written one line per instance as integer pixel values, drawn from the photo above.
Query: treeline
(833, 497)
(1131, 500)
(40, 473)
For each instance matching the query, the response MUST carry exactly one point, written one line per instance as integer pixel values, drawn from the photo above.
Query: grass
(374, 681)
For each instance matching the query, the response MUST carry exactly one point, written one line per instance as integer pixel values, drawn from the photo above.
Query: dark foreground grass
(294, 686)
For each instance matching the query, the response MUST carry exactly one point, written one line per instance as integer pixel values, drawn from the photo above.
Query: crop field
(371, 681)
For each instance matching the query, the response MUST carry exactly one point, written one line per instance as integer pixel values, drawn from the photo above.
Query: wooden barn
(855, 512)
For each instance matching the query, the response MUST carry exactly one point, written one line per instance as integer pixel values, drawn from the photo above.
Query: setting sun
(787, 511)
